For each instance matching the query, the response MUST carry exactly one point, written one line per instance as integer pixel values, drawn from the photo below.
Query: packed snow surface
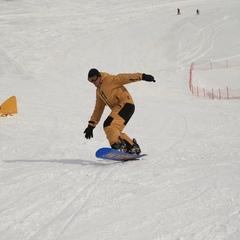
(52, 185)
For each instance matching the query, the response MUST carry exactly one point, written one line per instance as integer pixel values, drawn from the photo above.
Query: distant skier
(178, 11)
(111, 92)
(197, 11)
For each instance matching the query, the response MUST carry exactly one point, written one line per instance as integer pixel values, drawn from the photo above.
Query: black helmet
(93, 72)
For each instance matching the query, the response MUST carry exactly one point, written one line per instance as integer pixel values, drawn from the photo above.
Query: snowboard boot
(134, 149)
(120, 146)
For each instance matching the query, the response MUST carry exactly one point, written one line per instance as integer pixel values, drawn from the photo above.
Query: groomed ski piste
(52, 185)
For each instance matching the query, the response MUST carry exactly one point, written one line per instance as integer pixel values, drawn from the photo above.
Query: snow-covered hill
(52, 186)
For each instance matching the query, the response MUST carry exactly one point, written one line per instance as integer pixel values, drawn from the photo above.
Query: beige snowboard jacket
(112, 93)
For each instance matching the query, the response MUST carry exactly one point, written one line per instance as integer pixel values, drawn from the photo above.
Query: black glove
(148, 78)
(89, 132)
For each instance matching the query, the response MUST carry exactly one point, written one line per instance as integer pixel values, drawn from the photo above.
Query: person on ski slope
(111, 92)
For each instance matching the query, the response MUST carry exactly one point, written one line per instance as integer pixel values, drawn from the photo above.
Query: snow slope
(52, 186)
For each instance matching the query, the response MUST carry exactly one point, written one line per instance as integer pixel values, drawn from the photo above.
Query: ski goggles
(91, 80)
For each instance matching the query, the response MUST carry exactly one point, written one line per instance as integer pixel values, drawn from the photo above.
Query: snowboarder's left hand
(89, 132)
(148, 78)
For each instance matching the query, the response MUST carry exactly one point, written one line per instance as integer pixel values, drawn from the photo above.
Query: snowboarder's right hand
(89, 132)
(148, 78)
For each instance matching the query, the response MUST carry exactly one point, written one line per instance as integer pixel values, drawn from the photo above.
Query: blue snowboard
(112, 154)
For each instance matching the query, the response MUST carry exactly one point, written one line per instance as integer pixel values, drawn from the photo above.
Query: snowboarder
(197, 11)
(178, 11)
(110, 91)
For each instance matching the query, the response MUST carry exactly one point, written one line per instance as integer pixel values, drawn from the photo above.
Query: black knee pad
(108, 121)
(126, 112)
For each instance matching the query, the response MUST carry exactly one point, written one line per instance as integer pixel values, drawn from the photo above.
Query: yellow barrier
(9, 107)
